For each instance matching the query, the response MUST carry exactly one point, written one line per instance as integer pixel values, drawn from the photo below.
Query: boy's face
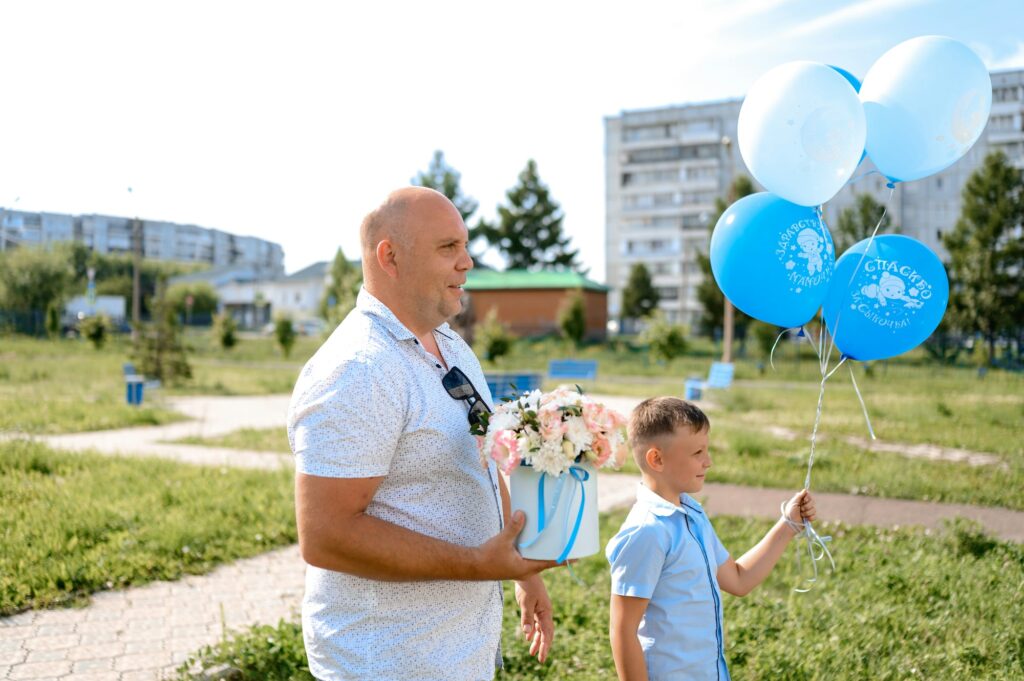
(686, 459)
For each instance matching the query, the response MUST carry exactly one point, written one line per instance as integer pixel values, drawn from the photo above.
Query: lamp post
(136, 272)
(727, 315)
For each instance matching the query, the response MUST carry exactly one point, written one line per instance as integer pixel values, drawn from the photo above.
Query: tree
(445, 179)
(639, 298)
(986, 250)
(32, 279)
(665, 341)
(528, 231)
(204, 298)
(710, 296)
(159, 348)
(491, 339)
(858, 222)
(572, 318)
(284, 333)
(340, 294)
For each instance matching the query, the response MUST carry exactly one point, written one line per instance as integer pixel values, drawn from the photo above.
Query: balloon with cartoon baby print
(772, 258)
(888, 294)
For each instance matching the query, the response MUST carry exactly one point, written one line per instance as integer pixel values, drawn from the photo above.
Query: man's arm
(739, 577)
(535, 610)
(335, 533)
(625, 614)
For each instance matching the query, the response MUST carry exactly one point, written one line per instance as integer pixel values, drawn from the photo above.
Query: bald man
(406, 534)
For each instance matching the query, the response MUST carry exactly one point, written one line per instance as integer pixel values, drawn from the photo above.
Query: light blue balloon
(886, 299)
(926, 101)
(773, 259)
(855, 84)
(801, 132)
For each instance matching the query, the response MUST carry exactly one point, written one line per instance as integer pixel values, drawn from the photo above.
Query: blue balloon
(885, 299)
(773, 259)
(927, 101)
(852, 80)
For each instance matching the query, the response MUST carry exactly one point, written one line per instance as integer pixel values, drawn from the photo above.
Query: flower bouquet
(551, 445)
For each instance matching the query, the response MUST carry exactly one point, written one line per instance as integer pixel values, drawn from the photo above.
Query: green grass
(66, 386)
(903, 604)
(73, 524)
(252, 439)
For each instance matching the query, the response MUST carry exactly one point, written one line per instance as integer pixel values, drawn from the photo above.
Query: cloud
(1012, 60)
(851, 13)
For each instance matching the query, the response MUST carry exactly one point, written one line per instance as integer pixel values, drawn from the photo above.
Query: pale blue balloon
(801, 132)
(927, 101)
(773, 259)
(855, 84)
(886, 299)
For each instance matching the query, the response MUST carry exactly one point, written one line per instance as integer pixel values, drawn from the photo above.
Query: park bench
(573, 369)
(719, 376)
(501, 384)
(136, 385)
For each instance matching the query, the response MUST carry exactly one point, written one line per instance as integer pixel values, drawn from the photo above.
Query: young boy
(668, 564)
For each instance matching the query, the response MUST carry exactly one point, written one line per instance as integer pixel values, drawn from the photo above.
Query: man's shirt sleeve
(348, 427)
(637, 555)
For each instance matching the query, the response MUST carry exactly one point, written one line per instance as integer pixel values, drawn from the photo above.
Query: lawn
(73, 524)
(903, 604)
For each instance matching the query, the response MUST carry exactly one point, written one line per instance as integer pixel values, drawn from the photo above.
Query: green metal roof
(489, 280)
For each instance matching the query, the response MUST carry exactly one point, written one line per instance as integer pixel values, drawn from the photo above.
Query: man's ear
(386, 258)
(654, 459)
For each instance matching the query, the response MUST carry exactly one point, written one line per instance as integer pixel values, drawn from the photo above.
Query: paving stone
(51, 642)
(100, 650)
(96, 665)
(15, 656)
(39, 670)
(47, 655)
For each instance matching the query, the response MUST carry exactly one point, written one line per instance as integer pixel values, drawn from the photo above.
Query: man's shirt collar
(371, 306)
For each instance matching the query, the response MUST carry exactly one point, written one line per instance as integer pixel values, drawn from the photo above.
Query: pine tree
(445, 179)
(528, 231)
(858, 222)
(710, 296)
(986, 250)
(639, 298)
(340, 293)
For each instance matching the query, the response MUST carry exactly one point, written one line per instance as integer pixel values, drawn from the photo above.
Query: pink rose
(601, 449)
(505, 450)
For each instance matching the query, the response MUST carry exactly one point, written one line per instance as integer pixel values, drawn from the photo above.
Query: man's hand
(535, 610)
(801, 507)
(499, 559)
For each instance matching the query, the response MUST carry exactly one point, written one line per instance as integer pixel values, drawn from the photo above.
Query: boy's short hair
(660, 416)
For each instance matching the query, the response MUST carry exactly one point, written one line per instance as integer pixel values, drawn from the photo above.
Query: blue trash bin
(134, 387)
(693, 389)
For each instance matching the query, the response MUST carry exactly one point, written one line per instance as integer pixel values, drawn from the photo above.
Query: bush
(284, 334)
(572, 318)
(225, 330)
(95, 329)
(664, 340)
(204, 298)
(491, 339)
(53, 320)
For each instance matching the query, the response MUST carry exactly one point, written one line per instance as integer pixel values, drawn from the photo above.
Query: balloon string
(771, 355)
(863, 406)
(861, 177)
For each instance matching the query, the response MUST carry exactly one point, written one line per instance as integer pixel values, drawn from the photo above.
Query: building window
(668, 292)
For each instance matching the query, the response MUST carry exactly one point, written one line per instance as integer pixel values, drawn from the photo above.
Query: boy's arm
(739, 577)
(625, 615)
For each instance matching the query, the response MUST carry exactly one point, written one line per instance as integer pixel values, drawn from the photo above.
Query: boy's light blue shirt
(670, 554)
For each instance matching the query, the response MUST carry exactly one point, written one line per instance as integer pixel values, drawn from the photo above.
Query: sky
(291, 120)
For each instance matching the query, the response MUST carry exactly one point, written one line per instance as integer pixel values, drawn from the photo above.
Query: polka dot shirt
(370, 403)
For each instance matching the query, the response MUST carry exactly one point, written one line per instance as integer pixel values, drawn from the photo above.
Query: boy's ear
(654, 459)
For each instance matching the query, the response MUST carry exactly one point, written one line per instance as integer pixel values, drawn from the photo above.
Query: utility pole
(727, 316)
(136, 277)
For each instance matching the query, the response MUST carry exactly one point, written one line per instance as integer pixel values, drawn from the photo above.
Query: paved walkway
(145, 632)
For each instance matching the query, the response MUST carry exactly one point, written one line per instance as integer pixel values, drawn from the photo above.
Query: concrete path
(145, 632)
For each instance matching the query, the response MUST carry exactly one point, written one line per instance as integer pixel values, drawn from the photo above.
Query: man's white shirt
(370, 403)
